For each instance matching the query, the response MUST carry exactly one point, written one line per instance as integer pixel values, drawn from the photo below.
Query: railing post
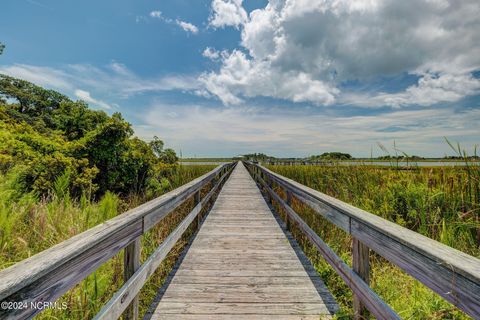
(131, 262)
(196, 201)
(289, 203)
(361, 265)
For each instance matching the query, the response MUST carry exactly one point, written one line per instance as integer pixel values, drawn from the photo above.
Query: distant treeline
(324, 156)
(329, 156)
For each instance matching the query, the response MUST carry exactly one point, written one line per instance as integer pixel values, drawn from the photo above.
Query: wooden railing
(44, 277)
(450, 273)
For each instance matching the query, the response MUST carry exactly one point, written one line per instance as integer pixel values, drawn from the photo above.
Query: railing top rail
(96, 245)
(459, 261)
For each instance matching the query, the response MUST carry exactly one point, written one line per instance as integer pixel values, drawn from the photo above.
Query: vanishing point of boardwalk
(242, 266)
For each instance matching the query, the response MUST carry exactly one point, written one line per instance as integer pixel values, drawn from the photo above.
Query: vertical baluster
(131, 262)
(361, 265)
(196, 201)
(289, 202)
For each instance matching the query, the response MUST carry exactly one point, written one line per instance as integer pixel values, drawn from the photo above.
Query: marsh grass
(439, 202)
(29, 224)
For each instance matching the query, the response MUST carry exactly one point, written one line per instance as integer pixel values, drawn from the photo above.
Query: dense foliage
(45, 135)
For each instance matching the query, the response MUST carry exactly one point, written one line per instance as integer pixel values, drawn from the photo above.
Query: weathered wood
(255, 280)
(114, 308)
(242, 272)
(442, 278)
(450, 273)
(49, 274)
(368, 297)
(131, 264)
(53, 284)
(207, 316)
(127, 293)
(299, 308)
(196, 200)
(289, 202)
(361, 266)
(241, 260)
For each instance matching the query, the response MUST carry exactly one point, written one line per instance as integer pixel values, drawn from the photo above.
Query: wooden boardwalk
(242, 265)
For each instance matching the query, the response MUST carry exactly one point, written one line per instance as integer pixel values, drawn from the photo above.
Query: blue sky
(288, 78)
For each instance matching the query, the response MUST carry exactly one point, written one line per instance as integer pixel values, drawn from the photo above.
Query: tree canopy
(44, 134)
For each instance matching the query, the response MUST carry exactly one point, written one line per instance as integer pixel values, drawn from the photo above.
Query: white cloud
(42, 76)
(211, 53)
(286, 132)
(430, 89)
(187, 26)
(227, 13)
(324, 43)
(115, 79)
(250, 78)
(85, 96)
(156, 14)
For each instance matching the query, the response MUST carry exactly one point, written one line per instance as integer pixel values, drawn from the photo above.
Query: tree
(49, 136)
(105, 148)
(168, 156)
(157, 146)
(75, 119)
(2, 47)
(33, 100)
(332, 156)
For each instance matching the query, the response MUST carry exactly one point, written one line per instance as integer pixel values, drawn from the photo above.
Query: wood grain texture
(361, 289)
(241, 265)
(49, 274)
(129, 291)
(452, 274)
(361, 265)
(131, 264)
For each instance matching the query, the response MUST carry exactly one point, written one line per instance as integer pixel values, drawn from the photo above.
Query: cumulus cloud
(85, 96)
(327, 43)
(241, 76)
(187, 26)
(227, 13)
(211, 53)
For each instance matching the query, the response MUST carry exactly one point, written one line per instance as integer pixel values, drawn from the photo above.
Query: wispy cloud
(115, 79)
(187, 26)
(85, 96)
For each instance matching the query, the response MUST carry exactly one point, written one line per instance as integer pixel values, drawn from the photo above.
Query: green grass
(29, 224)
(441, 203)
